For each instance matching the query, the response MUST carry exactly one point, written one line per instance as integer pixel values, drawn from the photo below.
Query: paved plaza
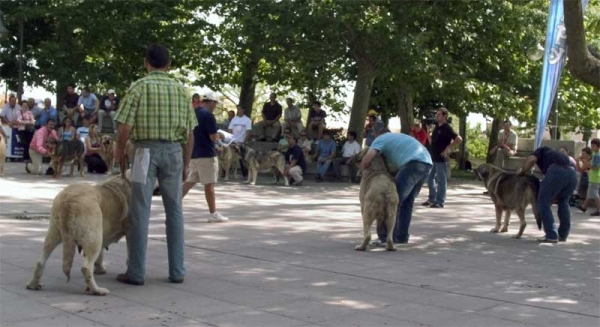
(286, 258)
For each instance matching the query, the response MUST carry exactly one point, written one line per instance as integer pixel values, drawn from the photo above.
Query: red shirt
(420, 135)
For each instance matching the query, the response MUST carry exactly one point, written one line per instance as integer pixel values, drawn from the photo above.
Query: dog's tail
(534, 184)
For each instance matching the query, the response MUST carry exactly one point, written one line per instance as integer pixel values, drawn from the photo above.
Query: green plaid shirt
(157, 108)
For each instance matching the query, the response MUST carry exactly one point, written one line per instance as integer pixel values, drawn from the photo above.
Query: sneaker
(378, 244)
(547, 240)
(595, 214)
(27, 168)
(216, 217)
(50, 171)
(426, 203)
(436, 205)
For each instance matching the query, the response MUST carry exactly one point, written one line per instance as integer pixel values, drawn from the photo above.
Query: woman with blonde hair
(92, 155)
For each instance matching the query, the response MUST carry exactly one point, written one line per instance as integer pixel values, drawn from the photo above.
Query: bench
(525, 146)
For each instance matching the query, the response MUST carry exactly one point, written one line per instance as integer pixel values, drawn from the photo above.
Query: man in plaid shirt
(158, 116)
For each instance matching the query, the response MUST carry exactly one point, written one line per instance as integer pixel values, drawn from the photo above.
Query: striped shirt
(157, 108)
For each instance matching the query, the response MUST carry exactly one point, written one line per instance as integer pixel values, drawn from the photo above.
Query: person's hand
(444, 153)
(184, 173)
(119, 154)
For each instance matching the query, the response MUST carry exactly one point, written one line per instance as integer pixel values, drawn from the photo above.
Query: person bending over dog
(204, 166)
(38, 149)
(414, 164)
(560, 180)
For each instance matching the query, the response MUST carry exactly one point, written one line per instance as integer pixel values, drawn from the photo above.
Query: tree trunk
(582, 64)
(406, 113)
(493, 137)
(462, 130)
(360, 102)
(61, 92)
(248, 86)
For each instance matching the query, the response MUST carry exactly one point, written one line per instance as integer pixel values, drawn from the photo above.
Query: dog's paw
(494, 230)
(99, 270)
(99, 291)
(393, 248)
(360, 248)
(34, 286)
(504, 229)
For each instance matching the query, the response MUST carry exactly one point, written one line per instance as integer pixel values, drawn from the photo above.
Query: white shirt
(9, 113)
(83, 133)
(292, 112)
(350, 149)
(239, 127)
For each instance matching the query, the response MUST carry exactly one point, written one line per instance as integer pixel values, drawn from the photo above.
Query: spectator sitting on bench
(306, 145)
(507, 144)
(326, 151)
(350, 148)
(283, 144)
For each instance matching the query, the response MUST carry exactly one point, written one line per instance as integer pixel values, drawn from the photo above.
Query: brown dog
(66, 152)
(106, 152)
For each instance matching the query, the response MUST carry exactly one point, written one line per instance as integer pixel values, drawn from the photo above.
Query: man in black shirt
(270, 128)
(560, 181)
(295, 157)
(315, 124)
(69, 108)
(443, 139)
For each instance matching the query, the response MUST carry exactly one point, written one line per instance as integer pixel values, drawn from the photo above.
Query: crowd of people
(80, 116)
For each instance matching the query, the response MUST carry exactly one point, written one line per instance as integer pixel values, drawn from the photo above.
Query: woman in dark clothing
(93, 160)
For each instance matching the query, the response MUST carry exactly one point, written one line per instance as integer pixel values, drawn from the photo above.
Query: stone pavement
(286, 258)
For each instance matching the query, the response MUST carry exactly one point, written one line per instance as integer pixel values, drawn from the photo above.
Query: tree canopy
(470, 56)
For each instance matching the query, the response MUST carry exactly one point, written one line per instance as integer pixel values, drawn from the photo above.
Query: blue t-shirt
(326, 148)
(45, 115)
(207, 125)
(89, 102)
(400, 149)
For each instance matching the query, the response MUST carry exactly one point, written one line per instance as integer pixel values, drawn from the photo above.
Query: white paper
(141, 162)
(227, 137)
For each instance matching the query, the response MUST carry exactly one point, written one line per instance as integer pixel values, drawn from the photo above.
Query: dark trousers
(25, 138)
(243, 168)
(559, 183)
(95, 164)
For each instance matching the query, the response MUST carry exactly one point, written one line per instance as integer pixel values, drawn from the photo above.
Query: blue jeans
(166, 164)
(437, 183)
(409, 180)
(559, 183)
(323, 166)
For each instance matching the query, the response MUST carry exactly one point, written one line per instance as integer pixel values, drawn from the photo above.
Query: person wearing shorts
(204, 165)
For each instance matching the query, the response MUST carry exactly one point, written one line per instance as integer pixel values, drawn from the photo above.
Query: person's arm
(123, 132)
(595, 163)
(187, 154)
(528, 165)
(97, 106)
(457, 140)
(366, 162)
(88, 146)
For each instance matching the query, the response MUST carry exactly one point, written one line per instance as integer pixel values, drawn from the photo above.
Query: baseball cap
(211, 96)
(111, 91)
(372, 112)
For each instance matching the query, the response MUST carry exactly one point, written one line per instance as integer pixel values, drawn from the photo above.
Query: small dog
(65, 152)
(88, 218)
(256, 161)
(2, 154)
(510, 192)
(106, 152)
(378, 200)
(227, 159)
